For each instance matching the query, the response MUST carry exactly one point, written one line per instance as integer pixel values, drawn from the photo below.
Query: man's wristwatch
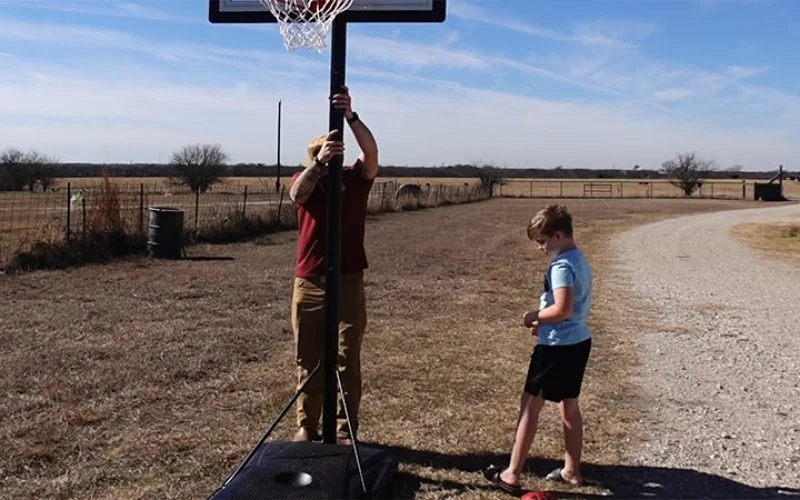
(353, 118)
(317, 162)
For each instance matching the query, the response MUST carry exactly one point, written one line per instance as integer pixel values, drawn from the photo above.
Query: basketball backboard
(368, 11)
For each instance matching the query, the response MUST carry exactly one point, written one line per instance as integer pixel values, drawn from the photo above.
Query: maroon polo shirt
(311, 221)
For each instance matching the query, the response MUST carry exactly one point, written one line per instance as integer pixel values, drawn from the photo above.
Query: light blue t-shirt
(569, 269)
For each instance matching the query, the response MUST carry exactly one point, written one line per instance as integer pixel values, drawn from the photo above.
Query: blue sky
(516, 83)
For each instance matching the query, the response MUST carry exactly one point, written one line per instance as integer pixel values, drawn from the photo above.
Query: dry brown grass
(791, 189)
(261, 183)
(776, 240)
(146, 379)
(631, 188)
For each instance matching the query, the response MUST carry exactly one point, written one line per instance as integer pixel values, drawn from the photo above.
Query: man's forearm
(305, 184)
(364, 137)
(369, 148)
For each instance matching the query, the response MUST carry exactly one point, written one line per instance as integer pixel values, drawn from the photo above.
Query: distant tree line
(200, 166)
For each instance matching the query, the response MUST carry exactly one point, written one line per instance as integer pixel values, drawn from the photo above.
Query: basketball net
(305, 23)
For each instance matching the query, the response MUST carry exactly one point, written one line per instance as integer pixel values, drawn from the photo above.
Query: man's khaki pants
(308, 323)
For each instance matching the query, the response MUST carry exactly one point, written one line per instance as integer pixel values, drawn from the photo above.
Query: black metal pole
(278, 180)
(69, 209)
(334, 226)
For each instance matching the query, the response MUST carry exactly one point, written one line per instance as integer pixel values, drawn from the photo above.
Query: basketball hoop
(305, 23)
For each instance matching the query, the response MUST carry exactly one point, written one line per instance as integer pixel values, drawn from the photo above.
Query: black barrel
(165, 233)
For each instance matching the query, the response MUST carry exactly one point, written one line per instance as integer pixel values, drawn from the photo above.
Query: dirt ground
(144, 379)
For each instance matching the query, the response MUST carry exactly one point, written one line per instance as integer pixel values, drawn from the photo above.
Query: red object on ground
(539, 495)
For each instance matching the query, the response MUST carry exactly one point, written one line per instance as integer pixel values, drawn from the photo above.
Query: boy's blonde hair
(548, 220)
(314, 146)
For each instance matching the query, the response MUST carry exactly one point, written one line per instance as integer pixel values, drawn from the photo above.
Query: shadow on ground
(621, 481)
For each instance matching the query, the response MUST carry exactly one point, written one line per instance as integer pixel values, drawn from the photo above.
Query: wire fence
(76, 211)
(733, 189)
(65, 214)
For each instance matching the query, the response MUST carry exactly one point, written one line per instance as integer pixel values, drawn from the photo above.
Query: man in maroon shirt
(308, 192)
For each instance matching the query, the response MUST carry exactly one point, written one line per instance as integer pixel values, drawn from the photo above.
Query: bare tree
(40, 170)
(489, 178)
(20, 170)
(199, 166)
(46, 175)
(13, 171)
(687, 172)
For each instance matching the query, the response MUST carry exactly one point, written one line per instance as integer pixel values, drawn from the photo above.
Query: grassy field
(153, 379)
(772, 240)
(599, 188)
(573, 188)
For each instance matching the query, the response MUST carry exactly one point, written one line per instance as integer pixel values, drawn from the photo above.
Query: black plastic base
(285, 469)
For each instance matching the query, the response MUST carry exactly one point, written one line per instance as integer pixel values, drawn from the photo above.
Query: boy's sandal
(555, 475)
(492, 473)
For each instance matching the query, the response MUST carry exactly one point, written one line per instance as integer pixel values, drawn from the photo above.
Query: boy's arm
(561, 308)
(562, 281)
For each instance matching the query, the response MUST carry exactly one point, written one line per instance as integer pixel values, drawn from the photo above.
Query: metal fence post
(69, 209)
(83, 206)
(244, 204)
(141, 209)
(196, 208)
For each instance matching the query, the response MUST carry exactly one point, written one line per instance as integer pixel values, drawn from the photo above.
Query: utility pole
(278, 179)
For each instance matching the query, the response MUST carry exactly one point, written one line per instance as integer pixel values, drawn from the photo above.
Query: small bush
(95, 247)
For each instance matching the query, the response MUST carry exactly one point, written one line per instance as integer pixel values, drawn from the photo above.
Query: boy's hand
(530, 318)
(535, 329)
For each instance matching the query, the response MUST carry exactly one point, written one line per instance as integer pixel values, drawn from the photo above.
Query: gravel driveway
(719, 344)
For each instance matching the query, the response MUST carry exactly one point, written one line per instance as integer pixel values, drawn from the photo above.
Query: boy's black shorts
(556, 372)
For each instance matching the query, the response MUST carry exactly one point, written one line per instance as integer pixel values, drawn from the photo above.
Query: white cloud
(151, 12)
(672, 94)
(397, 52)
(73, 35)
(627, 32)
(639, 110)
(474, 13)
(634, 74)
(99, 120)
(420, 56)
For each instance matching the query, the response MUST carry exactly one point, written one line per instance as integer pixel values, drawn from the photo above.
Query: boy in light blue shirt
(559, 359)
(570, 270)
